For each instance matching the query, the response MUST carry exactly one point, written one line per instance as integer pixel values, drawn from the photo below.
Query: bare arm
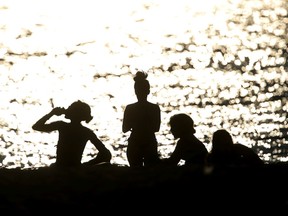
(104, 155)
(126, 125)
(174, 158)
(41, 124)
(96, 142)
(156, 125)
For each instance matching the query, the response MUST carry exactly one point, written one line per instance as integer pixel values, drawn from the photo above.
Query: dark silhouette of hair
(141, 85)
(222, 139)
(79, 110)
(183, 123)
(142, 119)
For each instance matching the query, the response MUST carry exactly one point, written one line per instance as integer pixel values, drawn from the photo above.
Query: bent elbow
(124, 130)
(36, 127)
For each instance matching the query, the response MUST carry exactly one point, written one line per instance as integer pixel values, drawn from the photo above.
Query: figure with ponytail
(142, 119)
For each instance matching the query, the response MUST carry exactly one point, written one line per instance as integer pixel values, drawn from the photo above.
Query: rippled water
(223, 62)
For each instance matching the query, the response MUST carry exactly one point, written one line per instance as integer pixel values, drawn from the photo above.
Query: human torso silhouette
(191, 150)
(71, 143)
(142, 119)
(236, 155)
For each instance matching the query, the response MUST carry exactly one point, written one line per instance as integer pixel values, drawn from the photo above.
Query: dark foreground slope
(112, 189)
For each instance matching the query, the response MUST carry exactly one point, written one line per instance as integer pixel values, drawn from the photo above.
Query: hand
(58, 111)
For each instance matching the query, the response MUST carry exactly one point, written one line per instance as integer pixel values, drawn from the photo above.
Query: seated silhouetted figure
(73, 136)
(188, 147)
(225, 152)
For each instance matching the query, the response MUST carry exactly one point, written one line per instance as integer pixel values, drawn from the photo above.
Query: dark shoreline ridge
(110, 188)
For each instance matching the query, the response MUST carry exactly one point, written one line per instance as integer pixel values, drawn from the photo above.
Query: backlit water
(222, 62)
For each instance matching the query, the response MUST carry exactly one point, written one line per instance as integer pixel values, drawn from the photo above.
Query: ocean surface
(222, 62)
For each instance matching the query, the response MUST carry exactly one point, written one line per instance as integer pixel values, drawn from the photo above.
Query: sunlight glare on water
(223, 62)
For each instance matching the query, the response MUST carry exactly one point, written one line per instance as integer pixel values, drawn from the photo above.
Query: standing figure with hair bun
(142, 119)
(73, 136)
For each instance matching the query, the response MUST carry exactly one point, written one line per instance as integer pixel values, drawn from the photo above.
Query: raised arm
(41, 124)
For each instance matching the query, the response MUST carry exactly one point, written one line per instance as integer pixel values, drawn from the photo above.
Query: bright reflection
(222, 62)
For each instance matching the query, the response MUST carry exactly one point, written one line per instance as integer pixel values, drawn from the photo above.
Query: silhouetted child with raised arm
(225, 153)
(73, 136)
(142, 119)
(188, 147)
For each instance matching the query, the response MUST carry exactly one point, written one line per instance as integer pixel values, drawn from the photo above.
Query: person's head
(141, 85)
(79, 111)
(181, 124)
(221, 139)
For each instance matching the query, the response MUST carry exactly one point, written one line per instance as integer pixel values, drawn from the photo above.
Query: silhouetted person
(188, 147)
(225, 152)
(142, 119)
(73, 136)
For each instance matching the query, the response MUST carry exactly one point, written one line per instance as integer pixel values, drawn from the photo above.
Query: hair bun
(140, 75)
